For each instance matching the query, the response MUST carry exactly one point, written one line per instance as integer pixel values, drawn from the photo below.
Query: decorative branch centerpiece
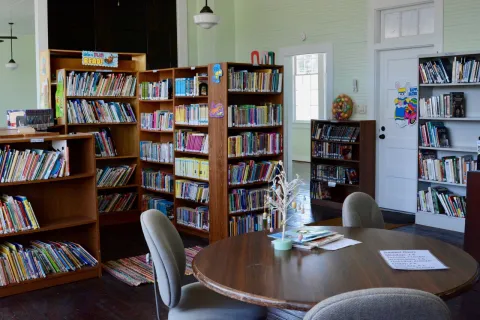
(281, 196)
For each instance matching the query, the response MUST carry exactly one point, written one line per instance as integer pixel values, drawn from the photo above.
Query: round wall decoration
(342, 107)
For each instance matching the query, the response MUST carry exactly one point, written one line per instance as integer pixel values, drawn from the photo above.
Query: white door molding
(182, 33)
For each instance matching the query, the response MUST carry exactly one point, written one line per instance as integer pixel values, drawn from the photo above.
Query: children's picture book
(319, 242)
(308, 233)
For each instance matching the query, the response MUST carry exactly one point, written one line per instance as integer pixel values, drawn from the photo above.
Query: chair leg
(156, 289)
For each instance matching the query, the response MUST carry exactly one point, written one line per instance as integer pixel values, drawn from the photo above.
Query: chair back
(381, 303)
(167, 253)
(361, 210)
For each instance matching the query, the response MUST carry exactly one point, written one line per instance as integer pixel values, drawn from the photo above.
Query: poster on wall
(100, 59)
(405, 105)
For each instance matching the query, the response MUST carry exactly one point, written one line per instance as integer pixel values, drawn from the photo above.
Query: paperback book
(190, 190)
(254, 143)
(159, 120)
(191, 141)
(255, 116)
(94, 84)
(99, 111)
(114, 176)
(158, 203)
(157, 180)
(196, 218)
(193, 114)
(116, 202)
(192, 168)
(156, 152)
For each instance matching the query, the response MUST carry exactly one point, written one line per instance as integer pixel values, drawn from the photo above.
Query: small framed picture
(203, 89)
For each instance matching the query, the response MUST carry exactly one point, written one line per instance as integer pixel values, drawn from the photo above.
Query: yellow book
(12, 167)
(10, 260)
(16, 255)
(31, 214)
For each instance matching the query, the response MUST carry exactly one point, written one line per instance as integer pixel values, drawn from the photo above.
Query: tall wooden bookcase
(65, 207)
(219, 132)
(362, 160)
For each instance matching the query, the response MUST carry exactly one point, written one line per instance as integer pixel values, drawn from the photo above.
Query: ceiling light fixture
(206, 19)
(11, 65)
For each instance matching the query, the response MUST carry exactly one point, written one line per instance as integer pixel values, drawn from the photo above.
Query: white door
(397, 146)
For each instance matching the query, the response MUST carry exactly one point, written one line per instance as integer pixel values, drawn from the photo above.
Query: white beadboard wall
(461, 25)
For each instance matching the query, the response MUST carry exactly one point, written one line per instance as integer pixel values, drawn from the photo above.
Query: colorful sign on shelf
(100, 59)
(217, 73)
(217, 110)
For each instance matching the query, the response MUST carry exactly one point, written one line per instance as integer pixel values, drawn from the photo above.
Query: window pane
(314, 81)
(300, 64)
(426, 20)
(314, 98)
(392, 25)
(298, 82)
(302, 114)
(313, 112)
(306, 83)
(409, 23)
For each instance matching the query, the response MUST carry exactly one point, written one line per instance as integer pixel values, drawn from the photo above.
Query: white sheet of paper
(412, 260)
(342, 243)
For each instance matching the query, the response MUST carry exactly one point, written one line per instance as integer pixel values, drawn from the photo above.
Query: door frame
(288, 114)
(375, 47)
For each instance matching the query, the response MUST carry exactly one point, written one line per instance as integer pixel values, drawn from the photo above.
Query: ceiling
(20, 12)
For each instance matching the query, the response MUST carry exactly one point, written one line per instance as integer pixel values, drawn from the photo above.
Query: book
(335, 133)
(94, 84)
(157, 180)
(440, 200)
(19, 263)
(191, 87)
(158, 203)
(436, 106)
(245, 200)
(434, 134)
(160, 120)
(114, 176)
(193, 217)
(319, 190)
(335, 174)
(458, 103)
(266, 80)
(160, 90)
(251, 171)
(331, 150)
(193, 114)
(116, 202)
(190, 190)
(255, 116)
(99, 111)
(254, 143)
(104, 143)
(191, 141)
(156, 152)
(192, 168)
(253, 223)
(16, 214)
(449, 169)
(319, 242)
(435, 71)
(308, 233)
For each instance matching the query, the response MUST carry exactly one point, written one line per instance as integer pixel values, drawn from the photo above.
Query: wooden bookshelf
(219, 132)
(362, 161)
(65, 207)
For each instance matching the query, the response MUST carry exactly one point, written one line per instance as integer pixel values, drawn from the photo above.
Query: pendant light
(11, 65)
(206, 19)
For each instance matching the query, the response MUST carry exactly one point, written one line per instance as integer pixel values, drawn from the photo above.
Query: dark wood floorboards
(108, 298)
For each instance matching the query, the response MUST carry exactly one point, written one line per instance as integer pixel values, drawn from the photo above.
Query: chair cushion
(200, 303)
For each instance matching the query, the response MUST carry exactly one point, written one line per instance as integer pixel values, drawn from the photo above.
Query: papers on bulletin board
(412, 260)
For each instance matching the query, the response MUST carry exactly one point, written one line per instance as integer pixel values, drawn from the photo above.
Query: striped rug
(135, 271)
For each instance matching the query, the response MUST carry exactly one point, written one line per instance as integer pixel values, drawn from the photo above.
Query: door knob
(382, 136)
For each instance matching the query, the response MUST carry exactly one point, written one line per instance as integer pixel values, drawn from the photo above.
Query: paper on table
(342, 243)
(412, 260)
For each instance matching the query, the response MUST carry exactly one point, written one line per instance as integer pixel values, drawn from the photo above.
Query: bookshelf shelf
(127, 186)
(190, 178)
(102, 124)
(450, 119)
(100, 97)
(257, 156)
(155, 100)
(157, 131)
(116, 158)
(364, 168)
(193, 153)
(247, 185)
(191, 97)
(185, 125)
(156, 162)
(119, 217)
(253, 128)
(242, 213)
(441, 215)
(193, 231)
(453, 149)
(467, 84)
(72, 177)
(192, 202)
(157, 191)
(254, 93)
(440, 221)
(444, 183)
(57, 224)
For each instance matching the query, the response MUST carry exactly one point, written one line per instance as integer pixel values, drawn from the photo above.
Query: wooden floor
(108, 298)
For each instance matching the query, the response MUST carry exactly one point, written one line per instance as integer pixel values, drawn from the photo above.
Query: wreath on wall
(342, 107)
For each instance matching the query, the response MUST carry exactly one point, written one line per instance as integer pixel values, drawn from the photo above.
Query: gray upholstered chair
(361, 210)
(193, 301)
(381, 303)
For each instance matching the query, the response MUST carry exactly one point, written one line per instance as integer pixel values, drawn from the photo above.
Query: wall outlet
(361, 108)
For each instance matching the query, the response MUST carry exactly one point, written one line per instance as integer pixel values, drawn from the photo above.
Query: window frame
(320, 55)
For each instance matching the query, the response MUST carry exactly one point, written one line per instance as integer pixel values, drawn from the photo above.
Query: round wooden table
(247, 268)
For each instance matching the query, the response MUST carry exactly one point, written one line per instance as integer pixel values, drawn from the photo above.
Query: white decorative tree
(281, 196)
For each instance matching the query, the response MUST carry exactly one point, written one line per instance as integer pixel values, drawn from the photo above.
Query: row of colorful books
(157, 180)
(104, 143)
(315, 237)
(16, 215)
(251, 171)
(450, 105)
(447, 169)
(150, 201)
(19, 263)
(160, 120)
(254, 143)
(319, 190)
(160, 90)
(265, 80)
(35, 164)
(465, 70)
(116, 202)
(245, 200)
(93, 84)
(336, 174)
(193, 114)
(434, 134)
(192, 168)
(98, 111)
(334, 133)
(253, 223)
(255, 116)
(195, 218)
(156, 152)
(190, 190)
(442, 201)
(192, 87)
(114, 176)
(332, 150)
(192, 141)
(436, 71)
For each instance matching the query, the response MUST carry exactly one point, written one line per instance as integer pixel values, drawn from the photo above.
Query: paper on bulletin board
(405, 104)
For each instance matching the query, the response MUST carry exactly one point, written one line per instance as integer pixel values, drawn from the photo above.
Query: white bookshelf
(463, 132)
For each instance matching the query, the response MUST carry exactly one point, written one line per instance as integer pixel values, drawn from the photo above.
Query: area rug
(135, 271)
(337, 222)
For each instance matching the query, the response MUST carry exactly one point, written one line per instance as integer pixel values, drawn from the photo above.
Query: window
(408, 21)
(306, 87)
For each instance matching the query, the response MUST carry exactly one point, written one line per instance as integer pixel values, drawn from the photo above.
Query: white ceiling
(20, 12)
